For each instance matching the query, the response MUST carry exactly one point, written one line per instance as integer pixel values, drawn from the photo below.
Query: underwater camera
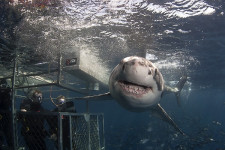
(70, 62)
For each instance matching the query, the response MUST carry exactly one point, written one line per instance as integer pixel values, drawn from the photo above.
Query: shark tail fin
(179, 87)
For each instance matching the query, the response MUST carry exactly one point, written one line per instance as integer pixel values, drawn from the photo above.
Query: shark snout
(136, 67)
(136, 72)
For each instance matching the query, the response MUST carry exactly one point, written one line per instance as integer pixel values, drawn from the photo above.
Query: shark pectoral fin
(164, 116)
(179, 87)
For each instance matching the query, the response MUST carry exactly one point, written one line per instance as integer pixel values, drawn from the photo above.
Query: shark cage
(48, 130)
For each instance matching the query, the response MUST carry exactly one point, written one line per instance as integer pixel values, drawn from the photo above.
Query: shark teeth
(134, 88)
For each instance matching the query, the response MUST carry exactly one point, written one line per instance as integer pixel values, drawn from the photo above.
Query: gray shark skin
(137, 85)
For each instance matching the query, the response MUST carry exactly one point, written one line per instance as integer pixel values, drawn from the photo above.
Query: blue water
(179, 36)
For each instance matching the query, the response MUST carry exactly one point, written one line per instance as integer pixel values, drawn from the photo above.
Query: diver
(62, 105)
(5, 115)
(33, 129)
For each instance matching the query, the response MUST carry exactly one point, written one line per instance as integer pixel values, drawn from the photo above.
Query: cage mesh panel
(85, 132)
(94, 130)
(79, 134)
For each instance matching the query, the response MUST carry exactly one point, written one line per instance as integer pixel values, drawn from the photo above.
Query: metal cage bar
(85, 134)
(84, 130)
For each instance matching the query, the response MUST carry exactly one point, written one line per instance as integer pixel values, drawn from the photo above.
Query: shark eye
(149, 72)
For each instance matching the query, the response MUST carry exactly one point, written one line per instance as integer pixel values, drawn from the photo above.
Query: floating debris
(149, 129)
(205, 129)
(217, 123)
(143, 141)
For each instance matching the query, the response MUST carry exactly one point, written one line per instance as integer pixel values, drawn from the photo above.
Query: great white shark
(138, 86)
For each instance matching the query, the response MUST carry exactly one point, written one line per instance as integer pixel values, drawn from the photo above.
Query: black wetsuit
(5, 117)
(33, 129)
(67, 107)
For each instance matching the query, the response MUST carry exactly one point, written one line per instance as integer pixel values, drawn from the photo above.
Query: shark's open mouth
(134, 88)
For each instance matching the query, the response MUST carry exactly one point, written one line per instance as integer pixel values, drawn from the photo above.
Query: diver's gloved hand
(53, 137)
